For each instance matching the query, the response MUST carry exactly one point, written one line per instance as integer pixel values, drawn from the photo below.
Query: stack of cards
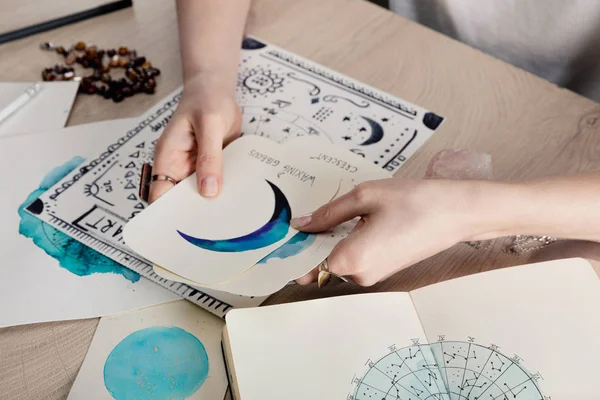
(241, 242)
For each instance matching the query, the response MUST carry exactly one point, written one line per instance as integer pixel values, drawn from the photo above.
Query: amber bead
(111, 52)
(123, 51)
(147, 64)
(123, 63)
(80, 46)
(60, 50)
(115, 61)
(105, 78)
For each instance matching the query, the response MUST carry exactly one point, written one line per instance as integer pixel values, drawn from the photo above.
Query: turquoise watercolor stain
(296, 245)
(71, 255)
(156, 363)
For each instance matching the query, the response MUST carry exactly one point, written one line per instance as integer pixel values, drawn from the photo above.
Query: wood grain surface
(531, 128)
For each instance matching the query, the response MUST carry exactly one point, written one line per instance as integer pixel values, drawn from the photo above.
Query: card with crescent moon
(212, 240)
(303, 251)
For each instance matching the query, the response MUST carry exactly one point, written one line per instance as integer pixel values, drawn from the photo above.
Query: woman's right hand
(206, 119)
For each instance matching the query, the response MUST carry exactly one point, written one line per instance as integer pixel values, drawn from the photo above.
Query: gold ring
(324, 274)
(164, 178)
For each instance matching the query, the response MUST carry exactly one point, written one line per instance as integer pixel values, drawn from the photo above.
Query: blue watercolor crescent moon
(271, 232)
(376, 132)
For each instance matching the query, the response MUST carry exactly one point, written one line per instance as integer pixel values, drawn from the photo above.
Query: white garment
(558, 40)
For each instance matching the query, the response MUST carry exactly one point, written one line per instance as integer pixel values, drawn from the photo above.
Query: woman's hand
(402, 222)
(206, 119)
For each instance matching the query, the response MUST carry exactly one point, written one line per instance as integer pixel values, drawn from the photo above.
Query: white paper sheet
(171, 351)
(48, 110)
(33, 287)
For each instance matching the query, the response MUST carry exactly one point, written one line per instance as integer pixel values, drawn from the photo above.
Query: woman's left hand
(401, 222)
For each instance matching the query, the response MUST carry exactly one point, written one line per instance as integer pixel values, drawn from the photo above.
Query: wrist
(207, 81)
(501, 209)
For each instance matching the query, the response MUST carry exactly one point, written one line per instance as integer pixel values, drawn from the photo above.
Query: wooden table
(531, 127)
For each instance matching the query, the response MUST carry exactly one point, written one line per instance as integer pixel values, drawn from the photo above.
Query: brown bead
(80, 46)
(118, 96)
(152, 72)
(131, 74)
(105, 68)
(138, 62)
(123, 63)
(48, 75)
(123, 51)
(127, 91)
(105, 78)
(115, 61)
(60, 50)
(111, 52)
(147, 64)
(92, 51)
(71, 58)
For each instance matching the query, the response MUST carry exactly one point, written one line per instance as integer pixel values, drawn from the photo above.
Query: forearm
(210, 34)
(563, 207)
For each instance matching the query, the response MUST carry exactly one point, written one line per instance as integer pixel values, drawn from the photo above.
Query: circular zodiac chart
(447, 370)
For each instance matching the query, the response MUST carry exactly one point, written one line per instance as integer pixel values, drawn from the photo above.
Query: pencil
(67, 20)
(20, 101)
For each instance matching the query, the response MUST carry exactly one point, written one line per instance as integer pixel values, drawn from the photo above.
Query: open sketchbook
(524, 333)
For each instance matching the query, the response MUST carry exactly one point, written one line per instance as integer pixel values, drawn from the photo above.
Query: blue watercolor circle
(156, 363)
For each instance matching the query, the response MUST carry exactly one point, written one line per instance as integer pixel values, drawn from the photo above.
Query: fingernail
(301, 221)
(209, 186)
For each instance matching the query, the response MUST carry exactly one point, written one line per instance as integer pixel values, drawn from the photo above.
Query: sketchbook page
(522, 333)
(171, 351)
(48, 275)
(47, 110)
(212, 240)
(314, 349)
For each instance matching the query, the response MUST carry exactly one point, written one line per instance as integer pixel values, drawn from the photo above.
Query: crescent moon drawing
(376, 132)
(271, 232)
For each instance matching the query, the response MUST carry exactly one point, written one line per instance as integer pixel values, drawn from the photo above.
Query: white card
(172, 351)
(302, 252)
(48, 109)
(212, 240)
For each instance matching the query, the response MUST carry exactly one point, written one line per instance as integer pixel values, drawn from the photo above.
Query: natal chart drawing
(447, 370)
(281, 96)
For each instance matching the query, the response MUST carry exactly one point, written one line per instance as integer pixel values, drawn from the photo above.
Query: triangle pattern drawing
(130, 185)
